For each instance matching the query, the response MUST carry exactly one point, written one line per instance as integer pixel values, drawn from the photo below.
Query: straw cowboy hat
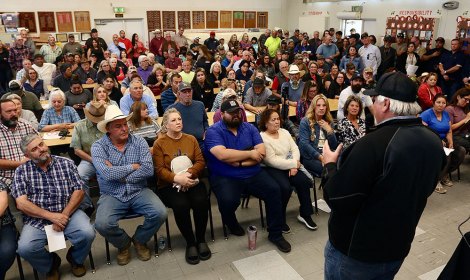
(95, 113)
(293, 69)
(112, 113)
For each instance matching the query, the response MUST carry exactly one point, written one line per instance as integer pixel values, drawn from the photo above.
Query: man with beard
(356, 87)
(430, 60)
(29, 100)
(12, 130)
(126, 42)
(295, 85)
(234, 150)
(57, 176)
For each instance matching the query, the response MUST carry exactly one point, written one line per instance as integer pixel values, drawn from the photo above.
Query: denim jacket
(309, 149)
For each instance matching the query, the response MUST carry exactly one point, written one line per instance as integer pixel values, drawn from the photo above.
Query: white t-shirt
(366, 101)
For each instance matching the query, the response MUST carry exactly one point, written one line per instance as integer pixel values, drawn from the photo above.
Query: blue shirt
(327, 50)
(68, 115)
(126, 102)
(441, 127)
(194, 118)
(246, 139)
(50, 190)
(120, 180)
(168, 98)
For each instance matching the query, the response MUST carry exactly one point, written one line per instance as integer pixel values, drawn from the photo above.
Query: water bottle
(161, 242)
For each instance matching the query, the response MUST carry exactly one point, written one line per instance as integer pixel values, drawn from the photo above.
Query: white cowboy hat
(112, 113)
(293, 69)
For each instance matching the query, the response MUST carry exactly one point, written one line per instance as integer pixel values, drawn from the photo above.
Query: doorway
(108, 27)
(348, 24)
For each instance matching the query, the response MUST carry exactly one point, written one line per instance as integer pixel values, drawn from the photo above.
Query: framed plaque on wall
(199, 21)
(82, 21)
(225, 19)
(28, 20)
(184, 19)
(212, 19)
(262, 21)
(64, 21)
(46, 22)
(238, 19)
(154, 20)
(169, 21)
(250, 19)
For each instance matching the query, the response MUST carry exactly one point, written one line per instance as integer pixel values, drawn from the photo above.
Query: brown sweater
(165, 149)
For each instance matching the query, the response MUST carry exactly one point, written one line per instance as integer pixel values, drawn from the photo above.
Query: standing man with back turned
(375, 208)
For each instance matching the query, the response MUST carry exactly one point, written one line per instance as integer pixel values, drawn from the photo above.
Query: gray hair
(166, 115)
(26, 140)
(56, 92)
(401, 108)
(14, 96)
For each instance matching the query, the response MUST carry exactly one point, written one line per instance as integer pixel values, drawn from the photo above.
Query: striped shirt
(67, 115)
(120, 180)
(147, 130)
(50, 190)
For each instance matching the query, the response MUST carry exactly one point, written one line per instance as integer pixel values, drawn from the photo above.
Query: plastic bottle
(161, 242)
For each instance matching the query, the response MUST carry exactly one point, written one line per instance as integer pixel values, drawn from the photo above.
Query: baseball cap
(258, 82)
(212, 33)
(132, 69)
(357, 75)
(71, 35)
(274, 100)
(400, 35)
(94, 30)
(388, 38)
(229, 106)
(171, 50)
(197, 38)
(395, 85)
(440, 39)
(183, 86)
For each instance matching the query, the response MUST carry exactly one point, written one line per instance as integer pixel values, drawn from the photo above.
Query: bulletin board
(46, 22)
(463, 33)
(250, 19)
(82, 21)
(225, 19)
(154, 20)
(169, 21)
(28, 20)
(212, 19)
(262, 20)
(184, 19)
(238, 19)
(415, 25)
(64, 21)
(199, 21)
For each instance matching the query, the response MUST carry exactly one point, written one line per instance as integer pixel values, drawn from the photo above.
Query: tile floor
(433, 245)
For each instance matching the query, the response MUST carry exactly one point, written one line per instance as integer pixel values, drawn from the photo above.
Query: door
(108, 27)
(351, 23)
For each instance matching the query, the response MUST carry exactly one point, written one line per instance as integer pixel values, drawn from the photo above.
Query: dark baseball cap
(274, 100)
(94, 30)
(395, 85)
(357, 75)
(183, 86)
(387, 38)
(440, 39)
(401, 35)
(258, 82)
(229, 106)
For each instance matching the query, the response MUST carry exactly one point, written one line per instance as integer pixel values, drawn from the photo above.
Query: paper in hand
(55, 239)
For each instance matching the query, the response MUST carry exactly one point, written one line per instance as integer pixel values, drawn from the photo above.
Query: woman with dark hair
(253, 53)
(314, 76)
(178, 164)
(142, 124)
(267, 66)
(459, 113)
(254, 44)
(352, 127)
(244, 73)
(32, 83)
(95, 50)
(156, 81)
(336, 87)
(437, 119)
(138, 49)
(428, 90)
(408, 58)
(352, 57)
(124, 59)
(202, 89)
(204, 59)
(331, 76)
(282, 162)
(349, 73)
(5, 68)
(309, 92)
(111, 86)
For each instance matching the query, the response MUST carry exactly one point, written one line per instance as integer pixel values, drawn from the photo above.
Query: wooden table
(58, 142)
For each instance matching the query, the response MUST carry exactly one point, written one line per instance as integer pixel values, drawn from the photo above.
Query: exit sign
(118, 10)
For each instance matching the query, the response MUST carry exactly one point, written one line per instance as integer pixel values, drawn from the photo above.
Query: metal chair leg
(155, 246)
(168, 240)
(20, 266)
(261, 213)
(211, 222)
(315, 197)
(108, 257)
(36, 276)
(92, 262)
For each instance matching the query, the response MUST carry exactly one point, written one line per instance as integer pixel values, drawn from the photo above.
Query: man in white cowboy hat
(123, 164)
(85, 134)
(294, 85)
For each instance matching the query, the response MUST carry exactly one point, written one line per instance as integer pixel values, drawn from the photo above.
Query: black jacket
(380, 189)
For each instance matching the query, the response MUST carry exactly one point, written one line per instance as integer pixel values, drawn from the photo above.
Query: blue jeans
(229, 190)
(111, 210)
(78, 231)
(341, 267)
(86, 170)
(7, 248)
(314, 166)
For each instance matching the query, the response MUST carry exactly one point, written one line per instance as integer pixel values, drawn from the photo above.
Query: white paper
(248, 113)
(55, 239)
(411, 70)
(448, 151)
(51, 135)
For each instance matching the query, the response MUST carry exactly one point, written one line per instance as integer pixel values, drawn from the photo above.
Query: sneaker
(124, 255)
(285, 229)
(282, 245)
(54, 273)
(308, 222)
(143, 252)
(78, 270)
(237, 230)
(440, 189)
(446, 182)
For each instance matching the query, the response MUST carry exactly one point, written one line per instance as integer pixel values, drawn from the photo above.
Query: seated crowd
(204, 92)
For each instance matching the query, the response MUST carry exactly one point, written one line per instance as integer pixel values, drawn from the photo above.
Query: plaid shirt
(120, 180)
(50, 54)
(68, 115)
(10, 147)
(17, 54)
(50, 190)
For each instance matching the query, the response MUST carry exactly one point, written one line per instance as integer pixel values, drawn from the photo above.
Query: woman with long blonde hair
(316, 128)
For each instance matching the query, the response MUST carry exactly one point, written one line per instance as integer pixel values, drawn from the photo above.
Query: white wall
(378, 10)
